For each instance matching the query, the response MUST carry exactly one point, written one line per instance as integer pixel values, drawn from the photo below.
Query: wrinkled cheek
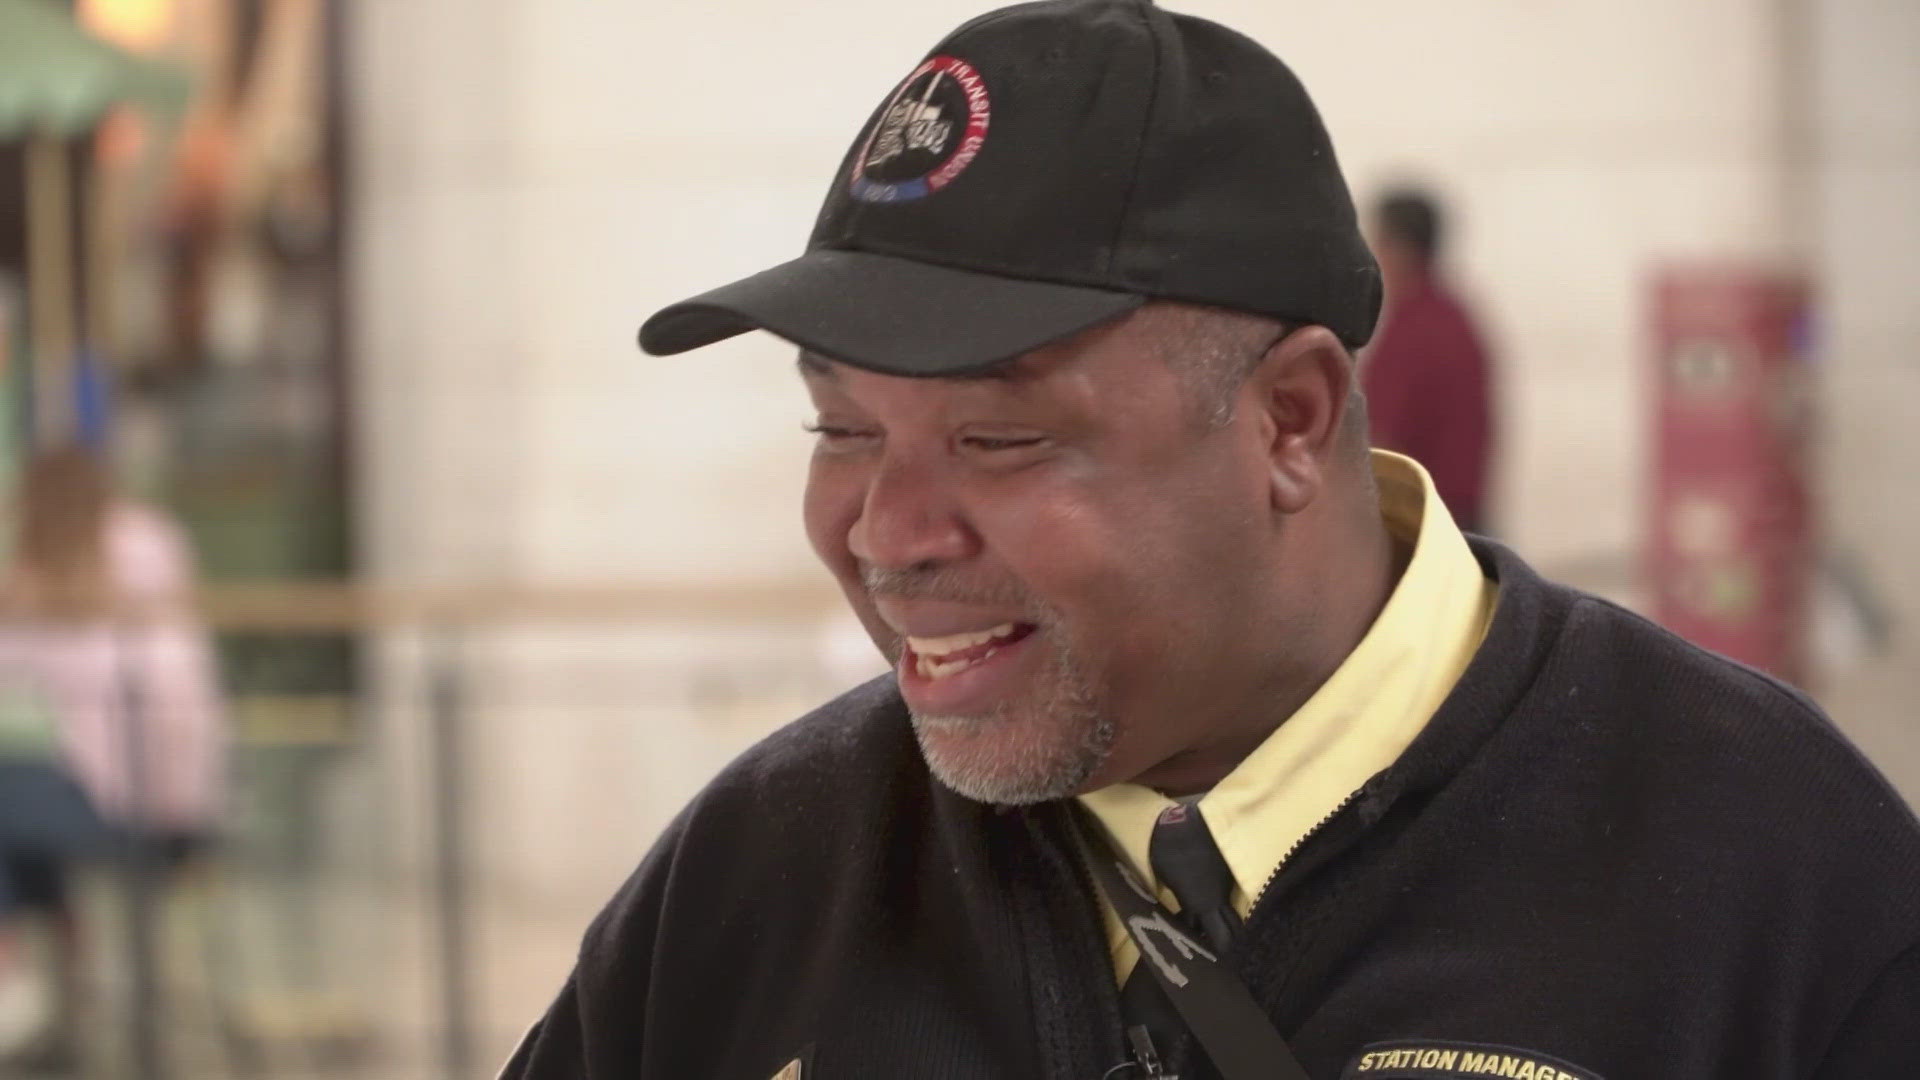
(829, 509)
(829, 514)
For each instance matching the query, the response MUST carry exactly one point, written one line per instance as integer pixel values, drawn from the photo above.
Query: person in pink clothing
(1427, 375)
(98, 637)
(98, 606)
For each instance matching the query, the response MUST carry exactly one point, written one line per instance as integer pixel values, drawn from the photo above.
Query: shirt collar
(1361, 718)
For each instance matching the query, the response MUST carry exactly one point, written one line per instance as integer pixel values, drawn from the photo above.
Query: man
(1426, 375)
(1077, 318)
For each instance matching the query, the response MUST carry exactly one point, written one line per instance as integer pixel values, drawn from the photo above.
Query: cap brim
(888, 314)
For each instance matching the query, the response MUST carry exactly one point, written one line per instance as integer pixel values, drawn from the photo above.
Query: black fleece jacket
(1610, 854)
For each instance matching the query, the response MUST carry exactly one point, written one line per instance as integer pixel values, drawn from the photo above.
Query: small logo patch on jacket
(1422, 1059)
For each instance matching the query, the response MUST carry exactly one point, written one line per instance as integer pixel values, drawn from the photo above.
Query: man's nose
(909, 519)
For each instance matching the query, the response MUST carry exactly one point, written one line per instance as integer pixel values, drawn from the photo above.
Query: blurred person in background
(1427, 376)
(1210, 738)
(101, 653)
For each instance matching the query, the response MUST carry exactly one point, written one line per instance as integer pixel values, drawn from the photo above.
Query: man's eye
(1002, 442)
(834, 432)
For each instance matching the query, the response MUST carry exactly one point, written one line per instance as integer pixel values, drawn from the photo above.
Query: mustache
(944, 583)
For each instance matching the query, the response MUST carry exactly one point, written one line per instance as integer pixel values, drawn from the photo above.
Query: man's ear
(1302, 385)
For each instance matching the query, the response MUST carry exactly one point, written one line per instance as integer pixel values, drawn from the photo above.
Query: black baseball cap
(1046, 168)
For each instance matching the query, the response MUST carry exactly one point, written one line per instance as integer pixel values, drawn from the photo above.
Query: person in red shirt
(1427, 377)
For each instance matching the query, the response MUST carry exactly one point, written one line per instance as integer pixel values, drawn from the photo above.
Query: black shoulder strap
(1210, 998)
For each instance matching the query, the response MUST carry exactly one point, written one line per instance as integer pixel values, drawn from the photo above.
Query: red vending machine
(1732, 547)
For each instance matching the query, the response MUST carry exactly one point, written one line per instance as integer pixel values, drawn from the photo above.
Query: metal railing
(445, 619)
(444, 622)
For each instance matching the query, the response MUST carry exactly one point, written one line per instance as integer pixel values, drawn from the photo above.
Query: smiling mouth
(936, 658)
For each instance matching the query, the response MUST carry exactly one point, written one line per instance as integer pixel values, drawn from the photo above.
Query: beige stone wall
(1865, 111)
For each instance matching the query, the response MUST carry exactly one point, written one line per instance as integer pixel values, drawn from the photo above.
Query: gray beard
(1042, 771)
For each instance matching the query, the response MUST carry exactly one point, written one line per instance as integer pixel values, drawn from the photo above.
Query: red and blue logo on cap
(929, 132)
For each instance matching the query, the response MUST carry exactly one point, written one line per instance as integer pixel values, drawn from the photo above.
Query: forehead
(1113, 358)
(1023, 369)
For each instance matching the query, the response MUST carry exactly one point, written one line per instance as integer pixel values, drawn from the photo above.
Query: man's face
(1059, 559)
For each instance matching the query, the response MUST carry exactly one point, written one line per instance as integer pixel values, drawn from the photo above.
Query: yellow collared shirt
(1355, 725)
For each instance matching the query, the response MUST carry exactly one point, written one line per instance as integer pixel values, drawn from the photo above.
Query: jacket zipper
(1144, 1057)
(1291, 864)
(1296, 847)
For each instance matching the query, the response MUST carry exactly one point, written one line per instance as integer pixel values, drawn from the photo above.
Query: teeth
(928, 652)
(936, 669)
(940, 646)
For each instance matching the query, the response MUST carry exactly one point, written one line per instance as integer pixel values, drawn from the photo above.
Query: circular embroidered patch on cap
(929, 132)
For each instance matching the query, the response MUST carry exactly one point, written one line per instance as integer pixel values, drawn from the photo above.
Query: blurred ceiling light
(137, 25)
